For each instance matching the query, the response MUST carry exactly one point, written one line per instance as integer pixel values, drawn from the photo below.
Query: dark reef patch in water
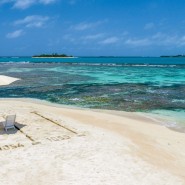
(128, 97)
(119, 88)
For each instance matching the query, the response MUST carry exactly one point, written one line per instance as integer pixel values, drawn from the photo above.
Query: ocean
(135, 84)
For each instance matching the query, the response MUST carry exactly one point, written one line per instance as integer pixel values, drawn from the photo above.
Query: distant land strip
(54, 55)
(174, 56)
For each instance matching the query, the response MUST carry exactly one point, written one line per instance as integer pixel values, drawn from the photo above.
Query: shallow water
(144, 88)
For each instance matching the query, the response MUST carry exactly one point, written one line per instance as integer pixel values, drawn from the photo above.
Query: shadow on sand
(18, 126)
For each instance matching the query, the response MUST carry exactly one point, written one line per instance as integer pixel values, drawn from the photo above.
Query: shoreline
(143, 116)
(118, 146)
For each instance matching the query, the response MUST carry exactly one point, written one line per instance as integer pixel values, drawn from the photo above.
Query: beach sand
(6, 80)
(69, 146)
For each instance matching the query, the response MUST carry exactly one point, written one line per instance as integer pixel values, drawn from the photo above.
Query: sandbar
(6, 80)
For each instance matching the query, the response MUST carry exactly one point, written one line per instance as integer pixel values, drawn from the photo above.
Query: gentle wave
(95, 64)
(13, 62)
(128, 65)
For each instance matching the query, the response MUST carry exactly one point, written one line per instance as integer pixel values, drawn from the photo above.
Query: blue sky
(92, 27)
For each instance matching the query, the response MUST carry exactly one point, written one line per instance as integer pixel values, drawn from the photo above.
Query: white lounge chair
(9, 122)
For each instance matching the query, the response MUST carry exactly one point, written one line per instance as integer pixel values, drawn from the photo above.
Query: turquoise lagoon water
(153, 85)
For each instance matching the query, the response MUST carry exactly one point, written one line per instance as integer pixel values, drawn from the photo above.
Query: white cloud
(24, 4)
(47, 1)
(182, 41)
(110, 40)
(158, 39)
(149, 26)
(32, 21)
(165, 39)
(158, 35)
(138, 42)
(85, 25)
(93, 37)
(183, 38)
(14, 34)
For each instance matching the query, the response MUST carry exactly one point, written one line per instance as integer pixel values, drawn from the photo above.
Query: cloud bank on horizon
(94, 27)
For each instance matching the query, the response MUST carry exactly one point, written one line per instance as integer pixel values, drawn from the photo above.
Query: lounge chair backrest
(10, 120)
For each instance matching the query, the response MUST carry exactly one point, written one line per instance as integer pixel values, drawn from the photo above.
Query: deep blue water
(154, 85)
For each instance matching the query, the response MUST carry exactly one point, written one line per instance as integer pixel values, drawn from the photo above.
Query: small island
(54, 55)
(173, 56)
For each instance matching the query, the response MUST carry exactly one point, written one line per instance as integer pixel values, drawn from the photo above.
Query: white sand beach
(69, 146)
(6, 80)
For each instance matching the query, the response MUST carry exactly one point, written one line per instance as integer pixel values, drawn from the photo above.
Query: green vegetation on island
(53, 55)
